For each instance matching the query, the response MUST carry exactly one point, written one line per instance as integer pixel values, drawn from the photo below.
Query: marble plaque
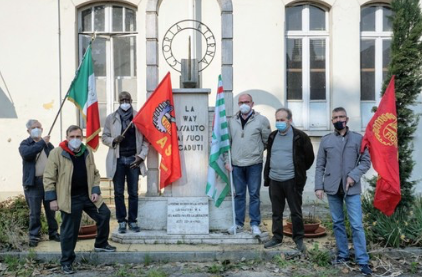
(187, 216)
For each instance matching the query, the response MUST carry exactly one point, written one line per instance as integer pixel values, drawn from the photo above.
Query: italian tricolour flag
(83, 94)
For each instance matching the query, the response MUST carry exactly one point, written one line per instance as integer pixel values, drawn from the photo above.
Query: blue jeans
(247, 177)
(354, 213)
(124, 172)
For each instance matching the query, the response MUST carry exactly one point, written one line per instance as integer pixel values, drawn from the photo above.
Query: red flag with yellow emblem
(381, 140)
(157, 122)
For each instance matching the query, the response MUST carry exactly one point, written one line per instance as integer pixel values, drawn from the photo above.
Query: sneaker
(340, 260)
(68, 269)
(300, 246)
(107, 248)
(33, 243)
(231, 230)
(272, 243)
(255, 231)
(55, 237)
(133, 226)
(122, 227)
(365, 270)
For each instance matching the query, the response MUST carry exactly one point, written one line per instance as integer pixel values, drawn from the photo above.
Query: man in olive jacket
(289, 155)
(72, 184)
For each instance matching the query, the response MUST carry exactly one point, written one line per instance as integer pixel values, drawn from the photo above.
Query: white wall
(29, 63)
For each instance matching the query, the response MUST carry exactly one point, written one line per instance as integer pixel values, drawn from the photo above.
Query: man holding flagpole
(339, 169)
(127, 152)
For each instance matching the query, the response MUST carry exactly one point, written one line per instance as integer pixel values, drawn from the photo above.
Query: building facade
(310, 56)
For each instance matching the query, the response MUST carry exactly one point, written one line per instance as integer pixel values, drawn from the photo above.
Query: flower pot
(87, 232)
(310, 227)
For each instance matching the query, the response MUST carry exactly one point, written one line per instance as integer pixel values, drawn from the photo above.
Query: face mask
(74, 144)
(339, 125)
(36, 133)
(281, 126)
(244, 109)
(125, 106)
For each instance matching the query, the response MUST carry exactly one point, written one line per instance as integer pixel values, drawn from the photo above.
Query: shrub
(14, 222)
(403, 228)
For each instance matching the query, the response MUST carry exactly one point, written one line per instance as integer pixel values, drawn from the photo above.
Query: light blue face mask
(281, 126)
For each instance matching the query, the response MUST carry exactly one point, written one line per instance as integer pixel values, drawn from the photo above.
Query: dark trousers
(69, 228)
(124, 172)
(279, 193)
(34, 196)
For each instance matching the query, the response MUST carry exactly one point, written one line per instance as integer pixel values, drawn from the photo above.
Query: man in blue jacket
(339, 169)
(34, 151)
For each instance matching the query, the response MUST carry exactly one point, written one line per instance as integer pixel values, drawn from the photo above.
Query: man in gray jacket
(249, 133)
(339, 169)
(125, 160)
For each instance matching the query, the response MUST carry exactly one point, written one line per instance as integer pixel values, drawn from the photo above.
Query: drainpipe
(60, 66)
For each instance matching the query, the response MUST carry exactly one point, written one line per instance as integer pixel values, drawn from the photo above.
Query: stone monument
(182, 213)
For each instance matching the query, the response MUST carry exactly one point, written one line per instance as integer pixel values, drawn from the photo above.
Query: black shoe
(55, 237)
(272, 243)
(300, 246)
(68, 269)
(133, 226)
(340, 260)
(365, 270)
(122, 227)
(33, 243)
(107, 248)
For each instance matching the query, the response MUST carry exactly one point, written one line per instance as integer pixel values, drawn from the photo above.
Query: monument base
(152, 218)
(161, 237)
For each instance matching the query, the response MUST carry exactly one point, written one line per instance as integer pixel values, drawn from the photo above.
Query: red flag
(157, 122)
(381, 140)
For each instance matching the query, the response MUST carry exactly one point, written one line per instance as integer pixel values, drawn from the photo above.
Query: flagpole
(71, 84)
(232, 189)
(127, 128)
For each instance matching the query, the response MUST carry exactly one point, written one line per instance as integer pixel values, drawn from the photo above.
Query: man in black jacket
(34, 151)
(289, 155)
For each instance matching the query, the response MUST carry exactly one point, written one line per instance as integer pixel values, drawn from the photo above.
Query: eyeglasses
(244, 102)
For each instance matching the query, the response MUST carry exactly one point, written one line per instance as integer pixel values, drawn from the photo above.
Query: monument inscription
(191, 132)
(187, 216)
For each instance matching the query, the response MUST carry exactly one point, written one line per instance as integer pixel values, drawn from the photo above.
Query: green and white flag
(218, 184)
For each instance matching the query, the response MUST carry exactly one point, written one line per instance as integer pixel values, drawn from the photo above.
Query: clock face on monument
(175, 35)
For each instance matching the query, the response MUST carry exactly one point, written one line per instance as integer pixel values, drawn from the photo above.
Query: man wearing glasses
(338, 172)
(249, 133)
(125, 160)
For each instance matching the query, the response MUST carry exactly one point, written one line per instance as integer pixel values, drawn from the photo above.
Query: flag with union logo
(157, 122)
(381, 140)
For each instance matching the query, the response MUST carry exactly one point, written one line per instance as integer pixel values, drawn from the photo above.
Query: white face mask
(125, 106)
(244, 109)
(74, 144)
(36, 133)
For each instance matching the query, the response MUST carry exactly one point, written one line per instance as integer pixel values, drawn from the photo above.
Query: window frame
(111, 100)
(379, 36)
(306, 35)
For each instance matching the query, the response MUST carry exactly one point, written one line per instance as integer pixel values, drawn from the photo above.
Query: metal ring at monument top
(181, 26)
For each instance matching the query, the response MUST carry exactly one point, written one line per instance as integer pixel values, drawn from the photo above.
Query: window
(113, 51)
(307, 66)
(376, 32)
